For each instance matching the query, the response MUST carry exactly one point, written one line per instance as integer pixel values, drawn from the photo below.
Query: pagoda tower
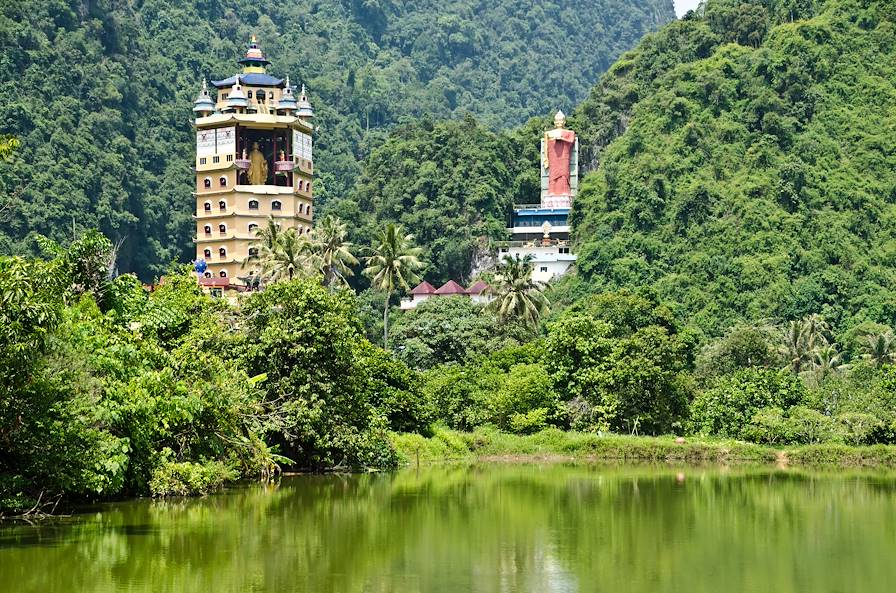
(253, 162)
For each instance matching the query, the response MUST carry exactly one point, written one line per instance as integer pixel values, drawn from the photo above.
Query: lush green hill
(100, 91)
(746, 164)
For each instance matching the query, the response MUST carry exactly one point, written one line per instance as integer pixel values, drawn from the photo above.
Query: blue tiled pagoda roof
(252, 79)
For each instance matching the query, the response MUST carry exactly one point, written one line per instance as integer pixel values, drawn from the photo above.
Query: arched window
(301, 208)
(308, 211)
(208, 206)
(208, 274)
(223, 181)
(260, 96)
(222, 205)
(301, 185)
(301, 230)
(208, 229)
(207, 182)
(275, 205)
(222, 252)
(222, 228)
(250, 94)
(253, 251)
(223, 273)
(308, 186)
(207, 253)
(253, 204)
(252, 227)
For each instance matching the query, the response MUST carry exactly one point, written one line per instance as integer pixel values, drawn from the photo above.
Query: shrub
(186, 478)
(727, 409)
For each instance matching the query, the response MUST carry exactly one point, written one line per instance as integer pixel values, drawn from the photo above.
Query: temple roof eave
(257, 119)
(251, 79)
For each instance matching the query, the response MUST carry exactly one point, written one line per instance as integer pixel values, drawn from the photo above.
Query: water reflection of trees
(478, 528)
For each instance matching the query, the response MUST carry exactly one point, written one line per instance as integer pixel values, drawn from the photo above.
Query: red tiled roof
(478, 288)
(216, 282)
(451, 287)
(424, 288)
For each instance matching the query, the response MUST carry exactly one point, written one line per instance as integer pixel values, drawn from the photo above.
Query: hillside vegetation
(746, 165)
(100, 92)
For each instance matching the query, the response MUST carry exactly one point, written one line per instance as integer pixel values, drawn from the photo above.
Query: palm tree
(517, 296)
(331, 252)
(393, 265)
(880, 349)
(827, 361)
(287, 258)
(801, 339)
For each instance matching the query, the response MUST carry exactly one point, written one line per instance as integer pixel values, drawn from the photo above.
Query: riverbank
(492, 445)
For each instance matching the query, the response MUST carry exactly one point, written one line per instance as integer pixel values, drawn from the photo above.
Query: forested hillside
(99, 92)
(746, 165)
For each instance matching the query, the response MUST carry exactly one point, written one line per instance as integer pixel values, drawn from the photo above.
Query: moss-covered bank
(449, 445)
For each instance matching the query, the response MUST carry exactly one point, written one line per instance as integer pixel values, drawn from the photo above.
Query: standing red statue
(559, 143)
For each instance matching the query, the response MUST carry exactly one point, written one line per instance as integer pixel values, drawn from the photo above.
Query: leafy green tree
(450, 329)
(517, 296)
(632, 377)
(392, 266)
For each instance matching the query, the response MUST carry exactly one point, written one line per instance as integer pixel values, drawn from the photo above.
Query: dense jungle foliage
(100, 92)
(746, 165)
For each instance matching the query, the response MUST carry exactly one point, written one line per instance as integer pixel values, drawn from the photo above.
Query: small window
(216, 159)
(260, 96)
(308, 210)
(229, 158)
(504, 250)
(208, 205)
(203, 160)
(223, 273)
(207, 253)
(208, 274)
(308, 187)
(207, 183)
(301, 208)
(276, 205)
(252, 227)
(301, 230)
(544, 268)
(208, 229)
(253, 204)
(564, 250)
(216, 293)
(224, 96)
(222, 228)
(223, 182)
(222, 252)
(222, 205)
(253, 251)
(250, 94)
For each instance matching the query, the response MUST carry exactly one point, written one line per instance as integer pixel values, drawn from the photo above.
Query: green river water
(485, 528)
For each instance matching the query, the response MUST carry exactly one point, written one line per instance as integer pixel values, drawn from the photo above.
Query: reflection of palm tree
(331, 252)
(393, 264)
(517, 296)
(880, 349)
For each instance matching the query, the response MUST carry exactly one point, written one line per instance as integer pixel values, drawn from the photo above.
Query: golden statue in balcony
(258, 166)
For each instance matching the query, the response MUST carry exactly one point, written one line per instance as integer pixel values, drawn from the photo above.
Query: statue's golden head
(559, 120)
